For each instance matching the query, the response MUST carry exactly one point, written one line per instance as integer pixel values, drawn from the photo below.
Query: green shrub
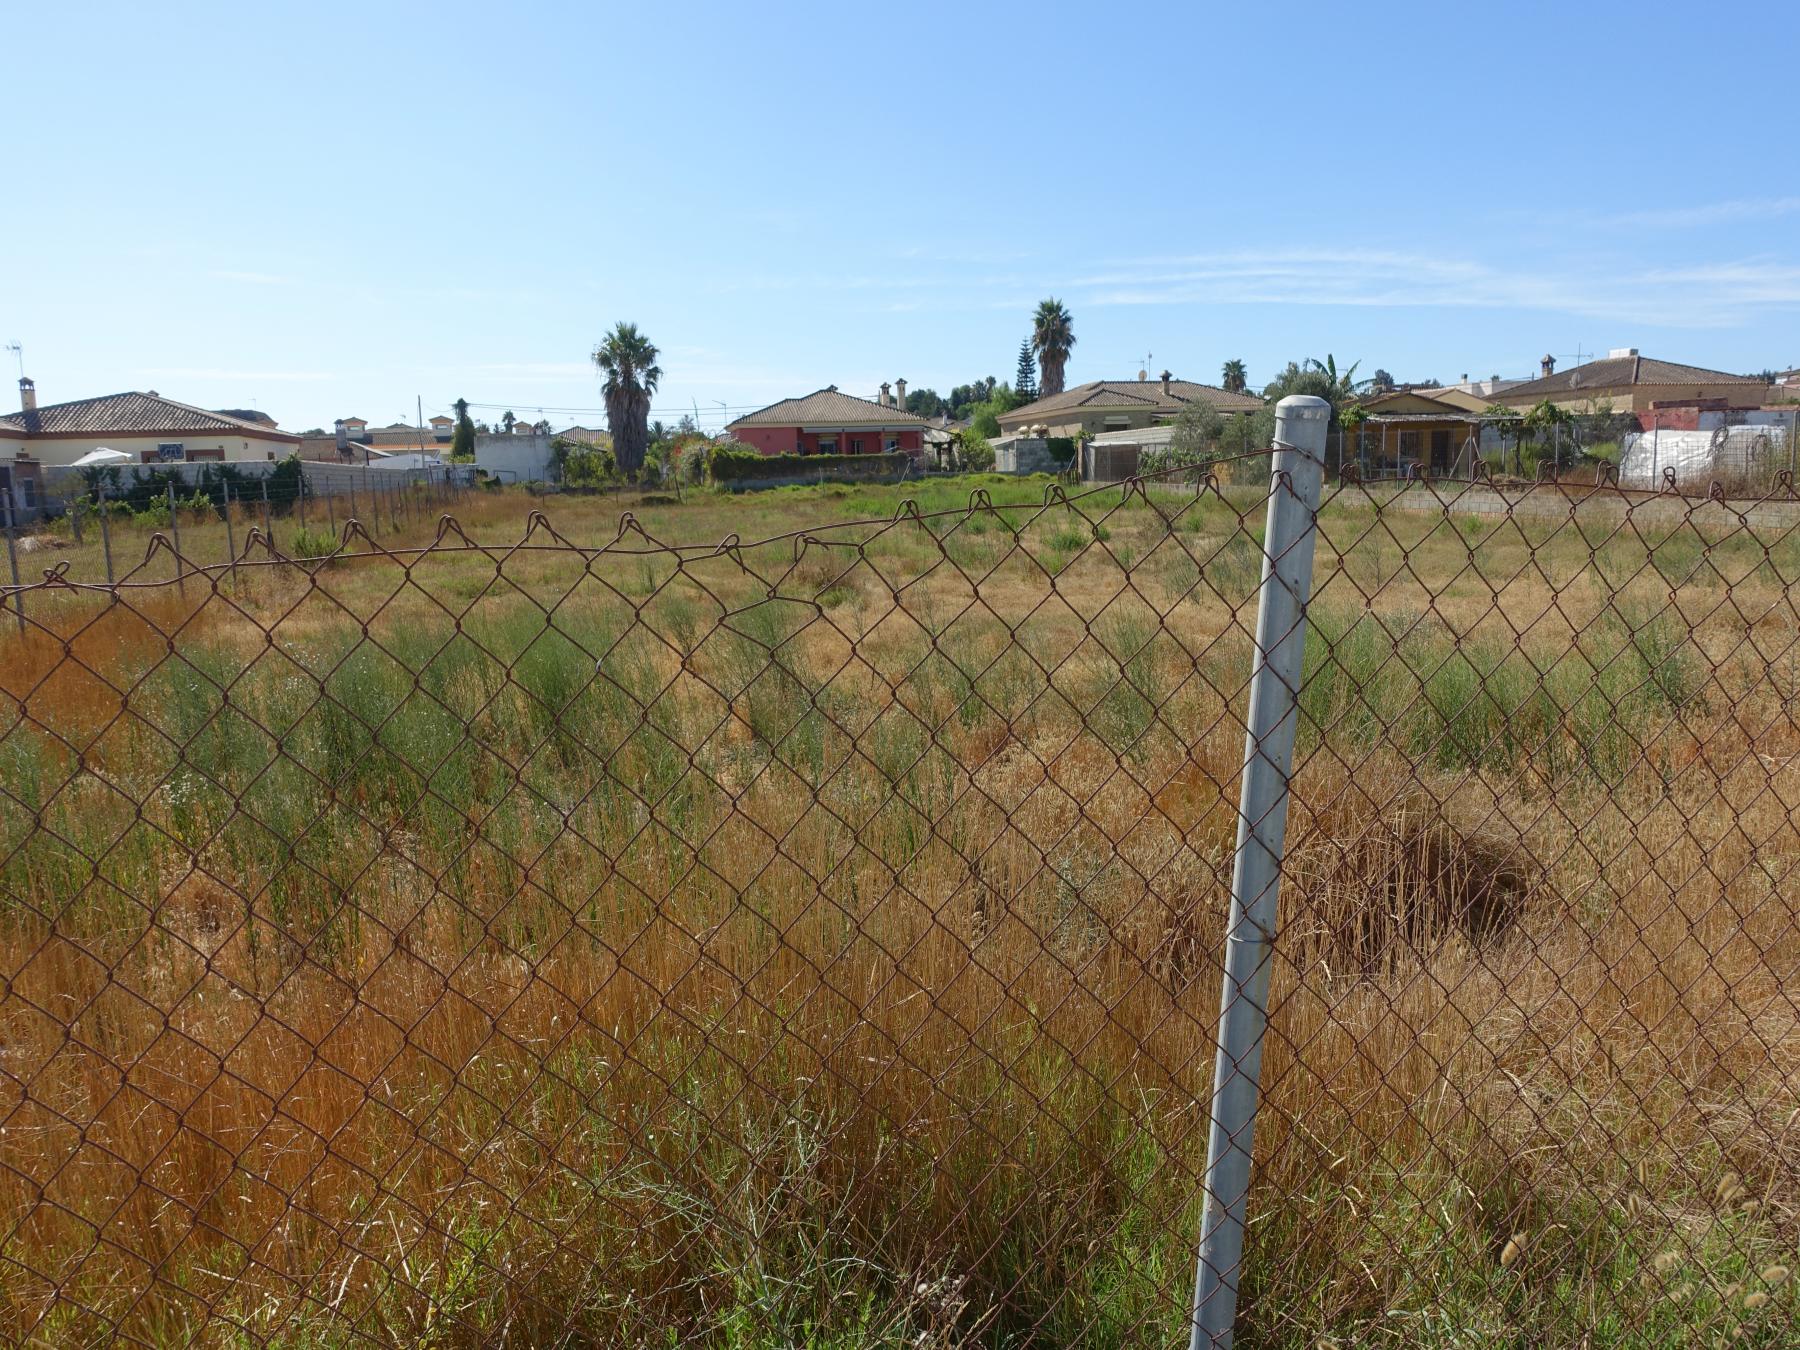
(313, 545)
(730, 464)
(578, 464)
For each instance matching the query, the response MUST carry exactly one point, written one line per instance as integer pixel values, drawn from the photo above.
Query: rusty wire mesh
(814, 939)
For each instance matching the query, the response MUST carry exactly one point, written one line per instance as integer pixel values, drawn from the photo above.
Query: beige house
(1630, 383)
(1435, 431)
(149, 428)
(1449, 395)
(1121, 405)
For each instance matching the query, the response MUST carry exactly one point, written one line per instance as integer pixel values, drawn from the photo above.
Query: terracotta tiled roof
(1100, 394)
(16, 427)
(134, 414)
(247, 415)
(1377, 402)
(829, 408)
(1620, 372)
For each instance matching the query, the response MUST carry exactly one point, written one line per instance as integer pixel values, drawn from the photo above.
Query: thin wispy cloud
(1708, 213)
(1708, 294)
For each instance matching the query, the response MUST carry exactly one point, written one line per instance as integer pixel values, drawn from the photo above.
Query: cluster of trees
(960, 401)
(979, 403)
(1043, 357)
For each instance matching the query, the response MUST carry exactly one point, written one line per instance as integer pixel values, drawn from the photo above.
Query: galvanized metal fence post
(106, 534)
(175, 532)
(230, 538)
(1301, 422)
(12, 553)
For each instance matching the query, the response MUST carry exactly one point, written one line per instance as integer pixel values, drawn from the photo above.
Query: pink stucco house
(830, 422)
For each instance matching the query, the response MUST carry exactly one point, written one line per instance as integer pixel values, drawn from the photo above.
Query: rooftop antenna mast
(19, 353)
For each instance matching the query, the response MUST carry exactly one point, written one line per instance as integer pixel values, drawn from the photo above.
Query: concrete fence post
(1301, 423)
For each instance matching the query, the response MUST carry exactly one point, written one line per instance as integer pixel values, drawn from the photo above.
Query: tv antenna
(19, 353)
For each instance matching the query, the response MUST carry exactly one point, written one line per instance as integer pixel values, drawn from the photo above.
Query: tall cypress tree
(1025, 382)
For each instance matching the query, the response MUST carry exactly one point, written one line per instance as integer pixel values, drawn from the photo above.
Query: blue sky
(325, 210)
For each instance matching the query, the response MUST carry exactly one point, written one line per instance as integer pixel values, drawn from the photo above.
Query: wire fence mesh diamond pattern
(816, 939)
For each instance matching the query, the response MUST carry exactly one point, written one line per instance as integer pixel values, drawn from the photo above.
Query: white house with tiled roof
(149, 428)
(1120, 405)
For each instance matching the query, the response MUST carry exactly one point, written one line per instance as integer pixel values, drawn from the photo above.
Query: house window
(1117, 421)
(891, 444)
(828, 445)
(856, 445)
(168, 450)
(28, 493)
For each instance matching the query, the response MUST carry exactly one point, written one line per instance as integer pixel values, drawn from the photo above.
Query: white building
(149, 428)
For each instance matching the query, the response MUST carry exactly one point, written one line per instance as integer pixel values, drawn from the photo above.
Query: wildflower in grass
(1756, 1300)
(1774, 1275)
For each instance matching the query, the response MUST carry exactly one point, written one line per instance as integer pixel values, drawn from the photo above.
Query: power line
(571, 408)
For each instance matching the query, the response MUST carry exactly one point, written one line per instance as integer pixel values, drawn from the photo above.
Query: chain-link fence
(815, 936)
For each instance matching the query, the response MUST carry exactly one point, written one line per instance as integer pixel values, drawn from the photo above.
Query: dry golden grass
(819, 945)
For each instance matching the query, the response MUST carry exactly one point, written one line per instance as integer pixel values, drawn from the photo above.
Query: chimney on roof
(884, 400)
(900, 394)
(1622, 351)
(1166, 377)
(1547, 366)
(27, 393)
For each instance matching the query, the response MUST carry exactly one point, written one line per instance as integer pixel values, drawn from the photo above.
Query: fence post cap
(1306, 406)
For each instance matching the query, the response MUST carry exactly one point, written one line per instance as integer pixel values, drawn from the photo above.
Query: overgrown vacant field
(567, 937)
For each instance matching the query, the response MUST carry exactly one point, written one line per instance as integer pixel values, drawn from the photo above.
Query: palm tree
(628, 360)
(1343, 386)
(506, 421)
(1235, 377)
(1052, 335)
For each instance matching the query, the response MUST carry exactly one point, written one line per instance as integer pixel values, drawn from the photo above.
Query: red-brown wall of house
(787, 440)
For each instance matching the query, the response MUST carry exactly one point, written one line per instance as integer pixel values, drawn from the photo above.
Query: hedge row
(734, 466)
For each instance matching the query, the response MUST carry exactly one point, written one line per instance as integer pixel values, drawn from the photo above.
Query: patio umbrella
(102, 456)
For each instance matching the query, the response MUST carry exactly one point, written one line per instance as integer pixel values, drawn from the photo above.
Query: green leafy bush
(313, 545)
(577, 464)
